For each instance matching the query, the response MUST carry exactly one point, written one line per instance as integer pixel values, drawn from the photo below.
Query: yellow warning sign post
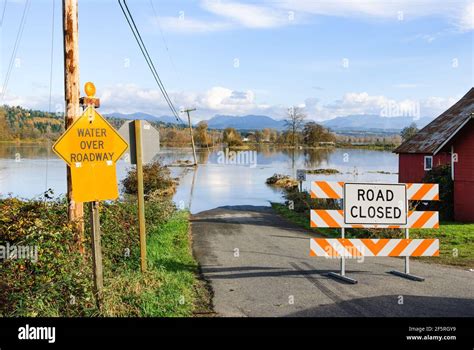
(91, 147)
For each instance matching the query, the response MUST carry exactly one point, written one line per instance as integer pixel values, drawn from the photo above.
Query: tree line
(17, 123)
(297, 132)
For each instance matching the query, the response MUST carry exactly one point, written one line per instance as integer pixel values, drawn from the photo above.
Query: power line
(50, 94)
(15, 47)
(153, 66)
(146, 55)
(52, 58)
(164, 40)
(3, 12)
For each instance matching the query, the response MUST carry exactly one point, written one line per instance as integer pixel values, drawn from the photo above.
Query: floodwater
(222, 177)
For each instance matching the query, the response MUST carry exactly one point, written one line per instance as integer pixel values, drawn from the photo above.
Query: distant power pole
(191, 133)
(71, 93)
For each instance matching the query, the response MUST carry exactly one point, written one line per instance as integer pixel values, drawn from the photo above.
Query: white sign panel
(380, 204)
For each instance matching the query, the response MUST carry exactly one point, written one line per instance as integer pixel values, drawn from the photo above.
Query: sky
(330, 57)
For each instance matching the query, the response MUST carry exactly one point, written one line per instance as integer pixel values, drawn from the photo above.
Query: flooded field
(222, 178)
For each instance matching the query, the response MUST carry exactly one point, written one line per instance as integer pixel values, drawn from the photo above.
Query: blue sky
(331, 58)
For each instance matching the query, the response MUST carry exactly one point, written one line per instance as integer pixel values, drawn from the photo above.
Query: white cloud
(250, 16)
(187, 25)
(36, 102)
(362, 103)
(371, 8)
(466, 22)
(221, 100)
(129, 98)
(271, 14)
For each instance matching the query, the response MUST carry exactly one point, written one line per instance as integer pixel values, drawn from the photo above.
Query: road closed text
(375, 211)
(375, 204)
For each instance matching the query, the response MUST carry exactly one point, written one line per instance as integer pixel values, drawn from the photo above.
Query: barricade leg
(407, 273)
(342, 275)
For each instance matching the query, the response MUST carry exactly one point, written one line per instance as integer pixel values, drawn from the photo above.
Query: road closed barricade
(374, 205)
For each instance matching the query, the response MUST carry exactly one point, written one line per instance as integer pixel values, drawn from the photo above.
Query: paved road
(258, 264)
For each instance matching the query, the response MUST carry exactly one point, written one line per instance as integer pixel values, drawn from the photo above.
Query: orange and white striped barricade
(355, 248)
(373, 205)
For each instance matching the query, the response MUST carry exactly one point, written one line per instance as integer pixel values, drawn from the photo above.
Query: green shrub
(442, 176)
(156, 180)
(59, 283)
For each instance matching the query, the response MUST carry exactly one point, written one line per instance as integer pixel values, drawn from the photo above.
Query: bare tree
(409, 131)
(294, 123)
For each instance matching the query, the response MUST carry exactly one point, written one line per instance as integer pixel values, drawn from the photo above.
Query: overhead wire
(50, 94)
(153, 66)
(3, 12)
(15, 47)
(165, 43)
(52, 58)
(136, 33)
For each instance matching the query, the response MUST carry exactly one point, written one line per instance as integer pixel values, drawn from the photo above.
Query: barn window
(428, 162)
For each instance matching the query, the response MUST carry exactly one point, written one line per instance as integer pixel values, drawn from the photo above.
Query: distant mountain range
(361, 122)
(246, 122)
(143, 116)
(373, 123)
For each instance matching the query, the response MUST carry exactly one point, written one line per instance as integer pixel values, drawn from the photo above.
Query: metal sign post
(407, 274)
(140, 194)
(301, 176)
(342, 275)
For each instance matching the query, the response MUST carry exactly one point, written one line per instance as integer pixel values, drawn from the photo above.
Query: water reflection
(28, 170)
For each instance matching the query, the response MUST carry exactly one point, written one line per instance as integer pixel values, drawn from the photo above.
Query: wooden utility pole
(191, 133)
(72, 108)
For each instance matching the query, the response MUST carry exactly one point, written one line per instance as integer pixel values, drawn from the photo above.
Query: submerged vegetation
(323, 171)
(156, 181)
(282, 181)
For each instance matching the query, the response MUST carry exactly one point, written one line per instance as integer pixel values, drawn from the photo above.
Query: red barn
(449, 139)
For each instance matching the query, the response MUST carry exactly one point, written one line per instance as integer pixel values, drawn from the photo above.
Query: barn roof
(436, 134)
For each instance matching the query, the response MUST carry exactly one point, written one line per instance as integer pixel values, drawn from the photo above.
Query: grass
(456, 243)
(59, 283)
(456, 239)
(170, 287)
(169, 253)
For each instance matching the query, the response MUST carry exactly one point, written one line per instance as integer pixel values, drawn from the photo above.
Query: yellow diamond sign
(91, 147)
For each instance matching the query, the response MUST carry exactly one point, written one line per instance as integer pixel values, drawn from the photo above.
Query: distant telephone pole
(71, 93)
(191, 133)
